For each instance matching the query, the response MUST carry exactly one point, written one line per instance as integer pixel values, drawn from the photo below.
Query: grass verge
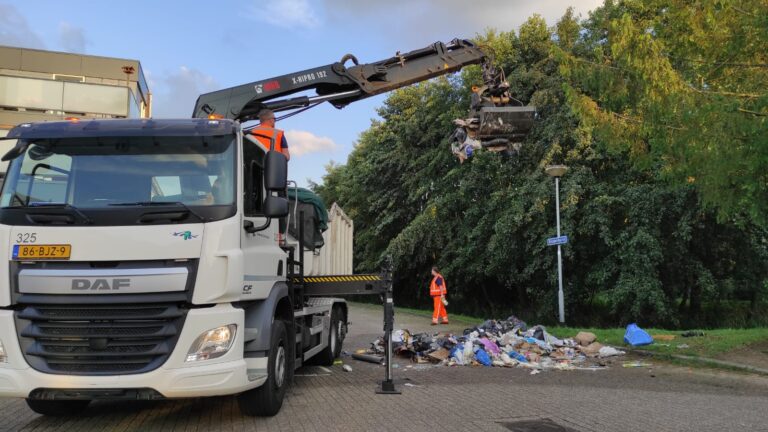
(713, 343)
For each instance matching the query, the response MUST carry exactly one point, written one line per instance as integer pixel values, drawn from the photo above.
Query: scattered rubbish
(420, 359)
(497, 343)
(683, 346)
(361, 351)
(420, 367)
(517, 356)
(592, 349)
(482, 357)
(539, 332)
(591, 368)
(347, 368)
(457, 354)
(337, 362)
(490, 347)
(693, 333)
(400, 336)
(636, 336)
(411, 385)
(636, 364)
(440, 354)
(370, 358)
(506, 360)
(535, 371)
(564, 353)
(664, 337)
(585, 338)
(607, 351)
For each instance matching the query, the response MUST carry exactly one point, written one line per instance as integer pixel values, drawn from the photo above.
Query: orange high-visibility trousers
(439, 310)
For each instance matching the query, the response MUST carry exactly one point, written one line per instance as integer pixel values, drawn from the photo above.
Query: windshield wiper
(74, 209)
(160, 203)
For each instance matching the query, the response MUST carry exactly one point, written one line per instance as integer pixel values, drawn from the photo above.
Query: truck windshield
(114, 172)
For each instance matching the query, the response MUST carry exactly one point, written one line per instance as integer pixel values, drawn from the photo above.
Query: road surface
(664, 398)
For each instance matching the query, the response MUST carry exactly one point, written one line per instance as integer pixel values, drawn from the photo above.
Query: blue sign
(557, 240)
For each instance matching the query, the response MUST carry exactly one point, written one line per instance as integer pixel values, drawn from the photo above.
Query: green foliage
(618, 109)
(684, 85)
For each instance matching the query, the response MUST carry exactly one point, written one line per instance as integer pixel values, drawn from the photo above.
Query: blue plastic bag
(457, 353)
(517, 356)
(482, 357)
(636, 336)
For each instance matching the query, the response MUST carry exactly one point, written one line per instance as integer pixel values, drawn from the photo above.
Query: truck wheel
(57, 408)
(335, 340)
(267, 399)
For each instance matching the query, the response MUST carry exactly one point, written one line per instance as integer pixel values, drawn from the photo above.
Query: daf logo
(100, 284)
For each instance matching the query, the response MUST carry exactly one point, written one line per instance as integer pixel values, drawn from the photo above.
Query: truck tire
(335, 338)
(268, 399)
(57, 408)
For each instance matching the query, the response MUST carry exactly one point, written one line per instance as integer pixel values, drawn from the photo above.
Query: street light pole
(557, 171)
(560, 295)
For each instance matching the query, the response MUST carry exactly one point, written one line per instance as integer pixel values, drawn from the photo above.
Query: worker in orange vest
(437, 291)
(268, 136)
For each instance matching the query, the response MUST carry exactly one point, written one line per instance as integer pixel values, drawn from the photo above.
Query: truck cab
(142, 260)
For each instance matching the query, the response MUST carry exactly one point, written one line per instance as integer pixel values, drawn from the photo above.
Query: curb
(702, 360)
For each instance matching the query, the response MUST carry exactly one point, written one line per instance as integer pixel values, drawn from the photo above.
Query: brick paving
(666, 398)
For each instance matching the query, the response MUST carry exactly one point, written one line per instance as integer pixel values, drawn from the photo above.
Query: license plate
(42, 252)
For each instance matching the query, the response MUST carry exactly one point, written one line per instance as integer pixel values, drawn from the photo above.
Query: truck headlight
(3, 355)
(212, 343)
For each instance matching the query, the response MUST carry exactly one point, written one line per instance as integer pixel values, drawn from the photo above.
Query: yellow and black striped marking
(323, 286)
(340, 278)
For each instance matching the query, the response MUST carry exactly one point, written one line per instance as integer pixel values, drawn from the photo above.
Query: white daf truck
(149, 259)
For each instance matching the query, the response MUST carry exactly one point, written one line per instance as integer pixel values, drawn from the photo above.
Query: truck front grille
(99, 339)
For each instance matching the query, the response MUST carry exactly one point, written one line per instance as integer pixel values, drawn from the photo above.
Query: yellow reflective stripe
(351, 278)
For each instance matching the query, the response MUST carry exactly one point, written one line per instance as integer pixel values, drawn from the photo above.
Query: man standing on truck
(268, 136)
(437, 291)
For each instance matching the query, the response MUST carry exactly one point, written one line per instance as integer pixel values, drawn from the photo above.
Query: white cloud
(72, 38)
(15, 31)
(285, 13)
(425, 21)
(303, 142)
(175, 93)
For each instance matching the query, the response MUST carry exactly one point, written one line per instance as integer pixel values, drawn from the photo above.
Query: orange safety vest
(436, 290)
(270, 138)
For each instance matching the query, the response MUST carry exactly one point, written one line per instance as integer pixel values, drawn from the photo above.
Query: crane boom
(338, 84)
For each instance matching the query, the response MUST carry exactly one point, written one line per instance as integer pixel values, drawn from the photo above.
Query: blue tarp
(636, 336)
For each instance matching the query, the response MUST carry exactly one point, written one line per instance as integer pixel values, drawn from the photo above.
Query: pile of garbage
(500, 343)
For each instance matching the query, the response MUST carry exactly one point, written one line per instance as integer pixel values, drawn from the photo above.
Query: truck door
(263, 259)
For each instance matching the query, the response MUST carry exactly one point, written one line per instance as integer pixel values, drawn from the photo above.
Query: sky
(189, 47)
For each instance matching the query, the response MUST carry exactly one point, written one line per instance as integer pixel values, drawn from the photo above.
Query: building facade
(38, 85)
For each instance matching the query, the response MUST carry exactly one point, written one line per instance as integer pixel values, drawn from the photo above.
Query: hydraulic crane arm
(338, 84)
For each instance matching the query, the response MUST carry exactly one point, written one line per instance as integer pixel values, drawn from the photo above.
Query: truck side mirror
(275, 171)
(275, 207)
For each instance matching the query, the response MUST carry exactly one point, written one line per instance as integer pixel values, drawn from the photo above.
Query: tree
(643, 246)
(682, 86)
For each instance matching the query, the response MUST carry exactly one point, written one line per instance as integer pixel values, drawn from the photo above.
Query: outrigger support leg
(388, 385)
